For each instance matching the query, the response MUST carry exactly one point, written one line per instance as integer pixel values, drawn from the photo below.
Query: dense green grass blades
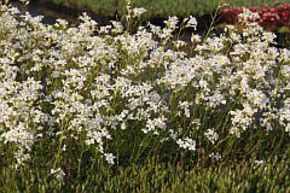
(163, 8)
(152, 177)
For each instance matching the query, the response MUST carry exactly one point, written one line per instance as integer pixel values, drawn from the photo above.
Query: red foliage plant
(271, 18)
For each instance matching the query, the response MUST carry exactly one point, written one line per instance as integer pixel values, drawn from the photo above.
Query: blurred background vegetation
(162, 8)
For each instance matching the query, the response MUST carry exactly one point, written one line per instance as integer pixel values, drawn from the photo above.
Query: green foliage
(163, 8)
(153, 176)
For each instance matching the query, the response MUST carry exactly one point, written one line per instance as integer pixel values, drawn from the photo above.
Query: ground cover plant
(163, 8)
(92, 108)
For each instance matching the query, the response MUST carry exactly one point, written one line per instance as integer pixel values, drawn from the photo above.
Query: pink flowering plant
(275, 18)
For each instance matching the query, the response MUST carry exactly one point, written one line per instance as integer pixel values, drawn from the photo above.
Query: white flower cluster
(58, 173)
(89, 82)
(187, 143)
(211, 135)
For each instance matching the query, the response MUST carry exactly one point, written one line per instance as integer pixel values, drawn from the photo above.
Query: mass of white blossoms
(89, 84)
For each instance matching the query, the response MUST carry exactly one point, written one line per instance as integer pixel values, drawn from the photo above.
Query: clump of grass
(154, 176)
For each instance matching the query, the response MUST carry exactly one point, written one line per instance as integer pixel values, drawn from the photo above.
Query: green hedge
(162, 8)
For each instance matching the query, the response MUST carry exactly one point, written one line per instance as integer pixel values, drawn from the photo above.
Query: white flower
(187, 143)
(137, 12)
(211, 135)
(195, 38)
(191, 22)
(25, 2)
(123, 126)
(262, 164)
(117, 27)
(248, 16)
(172, 22)
(215, 156)
(58, 173)
(109, 157)
(185, 107)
